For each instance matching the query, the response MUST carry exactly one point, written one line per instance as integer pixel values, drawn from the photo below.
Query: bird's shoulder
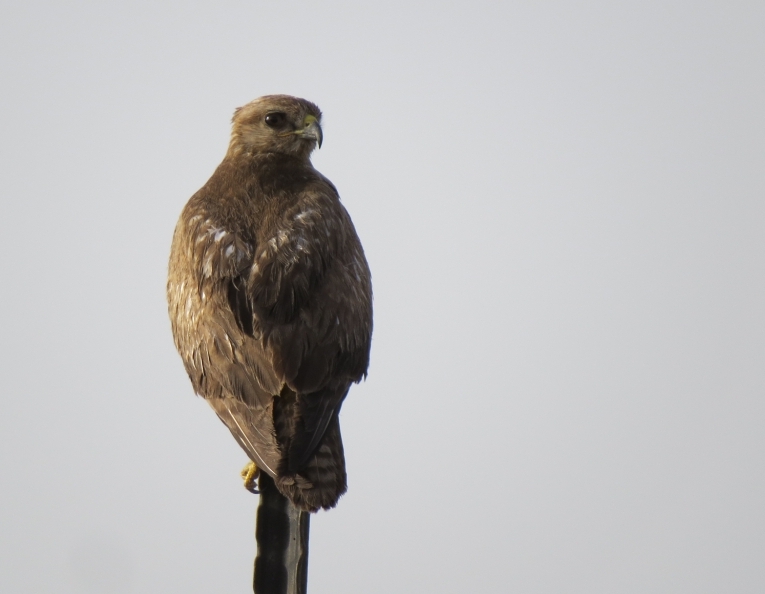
(255, 197)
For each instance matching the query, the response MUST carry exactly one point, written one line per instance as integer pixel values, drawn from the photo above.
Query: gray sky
(563, 208)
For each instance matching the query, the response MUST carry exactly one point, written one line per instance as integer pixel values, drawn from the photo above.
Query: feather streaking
(270, 300)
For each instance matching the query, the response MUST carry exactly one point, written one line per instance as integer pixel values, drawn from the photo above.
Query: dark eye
(276, 119)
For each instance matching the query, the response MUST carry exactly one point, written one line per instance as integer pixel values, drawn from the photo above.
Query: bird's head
(276, 124)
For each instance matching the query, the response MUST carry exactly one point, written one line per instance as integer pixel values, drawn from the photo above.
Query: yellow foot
(250, 475)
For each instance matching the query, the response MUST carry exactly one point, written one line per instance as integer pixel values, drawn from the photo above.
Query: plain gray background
(562, 204)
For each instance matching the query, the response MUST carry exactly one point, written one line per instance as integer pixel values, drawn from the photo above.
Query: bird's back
(270, 302)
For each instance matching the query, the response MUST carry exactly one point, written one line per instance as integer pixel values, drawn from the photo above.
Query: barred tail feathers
(323, 480)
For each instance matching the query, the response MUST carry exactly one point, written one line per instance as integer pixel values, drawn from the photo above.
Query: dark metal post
(281, 533)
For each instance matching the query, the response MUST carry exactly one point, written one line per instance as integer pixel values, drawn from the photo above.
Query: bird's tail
(322, 480)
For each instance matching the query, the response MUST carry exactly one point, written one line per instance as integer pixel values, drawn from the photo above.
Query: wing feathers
(252, 427)
(270, 297)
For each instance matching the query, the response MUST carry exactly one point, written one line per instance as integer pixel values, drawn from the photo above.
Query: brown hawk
(270, 299)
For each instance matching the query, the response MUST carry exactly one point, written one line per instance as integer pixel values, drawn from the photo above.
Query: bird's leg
(250, 474)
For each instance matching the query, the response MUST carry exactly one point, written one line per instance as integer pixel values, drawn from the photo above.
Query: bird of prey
(270, 300)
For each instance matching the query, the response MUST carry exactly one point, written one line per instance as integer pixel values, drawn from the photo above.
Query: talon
(250, 474)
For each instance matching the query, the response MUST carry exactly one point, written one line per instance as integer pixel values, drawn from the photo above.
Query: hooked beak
(311, 130)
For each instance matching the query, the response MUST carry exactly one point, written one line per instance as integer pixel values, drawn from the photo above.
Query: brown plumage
(270, 299)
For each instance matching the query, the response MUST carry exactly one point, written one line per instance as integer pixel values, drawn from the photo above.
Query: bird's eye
(276, 119)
